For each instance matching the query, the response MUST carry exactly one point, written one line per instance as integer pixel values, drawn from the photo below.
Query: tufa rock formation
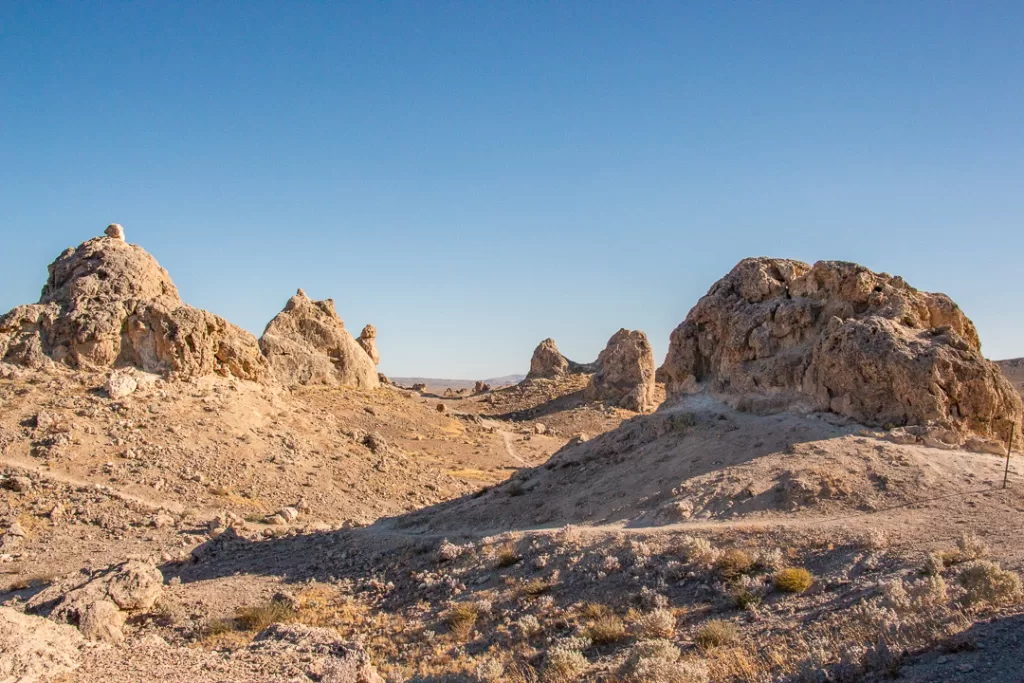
(115, 231)
(841, 338)
(625, 372)
(549, 363)
(368, 340)
(109, 304)
(307, 343)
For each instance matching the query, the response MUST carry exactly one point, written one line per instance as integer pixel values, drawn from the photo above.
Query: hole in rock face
(102, 274)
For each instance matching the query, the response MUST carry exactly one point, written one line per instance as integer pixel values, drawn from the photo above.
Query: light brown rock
(136, 585)
(838, 337)
(102, 622)
(307, 343)
(120, 384)
(625, 372)
(108, 304)
(368, 340)
(33, 649)
(115, 231)
(547, 361)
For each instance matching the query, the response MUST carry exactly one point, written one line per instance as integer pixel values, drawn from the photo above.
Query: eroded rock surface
(307, 343)
(33, 649)
(548, 362)
(109, 304)
(625, 372)
(368, 340)
(838, 337)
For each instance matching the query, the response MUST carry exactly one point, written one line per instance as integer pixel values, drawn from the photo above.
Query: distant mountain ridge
(435, 382)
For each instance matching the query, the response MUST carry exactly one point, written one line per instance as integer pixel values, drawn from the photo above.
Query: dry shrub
(659, 623)
(257, 618)
(658, 660)
(606, 629)
(490, 671)
(793, 580)
(716, 633)
(734, 563)
(986, 582)
(698, 551)
(563, 665)
(507, 555)
(535, 587)
(968, 547)
(461, 619)
(595, 610)
(528, 626)
(744, 598)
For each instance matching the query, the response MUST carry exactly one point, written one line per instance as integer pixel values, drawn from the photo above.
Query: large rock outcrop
(625, 372)
(838, 337)
(33, 649)
(307, 343)
(107, 304)
(548, 362)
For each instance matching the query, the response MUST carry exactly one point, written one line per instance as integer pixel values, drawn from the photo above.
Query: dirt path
(506, 438)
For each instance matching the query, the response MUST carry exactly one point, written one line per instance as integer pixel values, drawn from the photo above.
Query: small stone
(121, 384)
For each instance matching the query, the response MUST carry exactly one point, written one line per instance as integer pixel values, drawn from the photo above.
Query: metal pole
(1009, 445)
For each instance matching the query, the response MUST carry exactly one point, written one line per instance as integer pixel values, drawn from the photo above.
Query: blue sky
(474, 177)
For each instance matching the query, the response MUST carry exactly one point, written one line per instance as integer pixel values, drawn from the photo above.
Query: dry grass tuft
(716, 633)
(258, 617)
(461, 619)
(659, 623)
(507, 555)
(605, 630)
(733, 563)
(563, 665)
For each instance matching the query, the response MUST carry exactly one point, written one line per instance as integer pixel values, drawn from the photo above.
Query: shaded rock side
(838, 337)
(307, 343)
(107, 303)
(625, 372)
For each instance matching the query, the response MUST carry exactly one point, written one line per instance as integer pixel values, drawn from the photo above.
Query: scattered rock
(625, 372)
(838, 337)
(376, 443)
(18, 484)
(481, 387)
(441, 408)
(121, 384)
(307, 343)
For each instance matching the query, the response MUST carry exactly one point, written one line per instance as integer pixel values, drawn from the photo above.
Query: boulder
(33, 649)
(307, 343)
(120, 384)
(115, 231)
(481, 387)
(109, 304)
(837, 337)
(136, 585)
(368, 340)
(625, 372)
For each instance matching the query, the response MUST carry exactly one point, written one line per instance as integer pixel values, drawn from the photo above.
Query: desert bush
(733, 563)
(658, 660)
(698, 551)
(507, 555)
(793, 580)
(449, 551)
(606, 629)
(659, 623)
(986, 582)
(528, 626)
(716, 633)
(904, 596)
(968, 547)
(490, 671)
(258, 617)
(744, 598)
(563, 665)
(771, 559)
(536, 587)
(461, 619)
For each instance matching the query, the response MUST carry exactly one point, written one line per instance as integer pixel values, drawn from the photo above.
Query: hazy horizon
(475, 178)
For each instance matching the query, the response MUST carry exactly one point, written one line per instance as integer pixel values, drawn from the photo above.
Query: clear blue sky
(473, 177)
